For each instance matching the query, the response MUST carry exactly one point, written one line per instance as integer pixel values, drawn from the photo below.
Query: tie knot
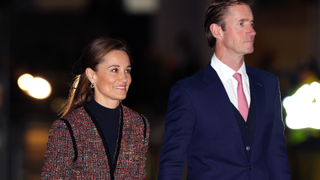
(237, 76)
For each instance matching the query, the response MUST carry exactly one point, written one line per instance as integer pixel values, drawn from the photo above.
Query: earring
(92, 85)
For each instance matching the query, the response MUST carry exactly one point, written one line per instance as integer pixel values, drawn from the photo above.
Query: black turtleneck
(108, 120)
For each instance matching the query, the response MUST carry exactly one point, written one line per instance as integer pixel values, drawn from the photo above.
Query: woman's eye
(128, 71)
(114, 70)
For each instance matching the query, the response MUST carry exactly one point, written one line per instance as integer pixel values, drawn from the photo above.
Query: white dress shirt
(230, 84)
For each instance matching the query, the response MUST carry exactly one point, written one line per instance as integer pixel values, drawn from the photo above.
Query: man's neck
(233, 61)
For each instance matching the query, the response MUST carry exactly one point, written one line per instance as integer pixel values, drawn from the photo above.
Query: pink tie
(242, 101)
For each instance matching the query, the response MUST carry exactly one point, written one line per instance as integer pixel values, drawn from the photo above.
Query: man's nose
(251, 31)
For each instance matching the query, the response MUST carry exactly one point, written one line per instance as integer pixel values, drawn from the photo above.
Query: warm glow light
(24, 81)
(303, 107)
(36, 87)
(39, 88)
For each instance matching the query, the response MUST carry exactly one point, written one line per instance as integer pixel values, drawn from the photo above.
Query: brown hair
(216, 13)
(80, 92)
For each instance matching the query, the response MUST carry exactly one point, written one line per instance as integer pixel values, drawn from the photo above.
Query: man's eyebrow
(242, 20)
(245, 20)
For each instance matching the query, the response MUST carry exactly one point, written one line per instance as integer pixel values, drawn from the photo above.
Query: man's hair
(216, 13)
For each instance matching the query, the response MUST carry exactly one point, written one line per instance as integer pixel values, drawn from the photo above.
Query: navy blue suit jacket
(201, 128)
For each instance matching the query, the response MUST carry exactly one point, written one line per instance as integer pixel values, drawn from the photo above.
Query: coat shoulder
(75, 114)
(260, 74)
(130, 111)
(134, 115)
(192, 81)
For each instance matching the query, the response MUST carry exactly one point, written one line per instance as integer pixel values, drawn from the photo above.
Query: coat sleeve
(278, 164)
(142, 167)
(59, 153)
(179, 125)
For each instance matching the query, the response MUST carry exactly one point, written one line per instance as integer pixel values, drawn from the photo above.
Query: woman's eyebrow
(113, 66)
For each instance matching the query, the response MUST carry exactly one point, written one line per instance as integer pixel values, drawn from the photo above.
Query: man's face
(239, 34)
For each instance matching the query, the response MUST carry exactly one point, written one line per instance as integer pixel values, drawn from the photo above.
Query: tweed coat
(77, 148)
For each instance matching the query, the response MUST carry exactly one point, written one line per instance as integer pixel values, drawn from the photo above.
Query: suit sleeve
(277, 154)
(179, 124)
(59, 153)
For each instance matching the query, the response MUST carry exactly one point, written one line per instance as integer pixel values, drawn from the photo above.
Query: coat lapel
(258, 92)
(221, 101)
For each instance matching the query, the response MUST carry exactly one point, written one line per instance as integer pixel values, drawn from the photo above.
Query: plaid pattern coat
(77, 148)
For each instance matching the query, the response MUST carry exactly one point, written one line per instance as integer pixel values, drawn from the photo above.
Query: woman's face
(111, 79)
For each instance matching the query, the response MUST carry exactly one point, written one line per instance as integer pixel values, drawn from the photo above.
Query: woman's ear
(216, 31)
(90, 74)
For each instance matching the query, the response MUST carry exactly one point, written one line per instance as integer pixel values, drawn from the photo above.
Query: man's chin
(250, 50)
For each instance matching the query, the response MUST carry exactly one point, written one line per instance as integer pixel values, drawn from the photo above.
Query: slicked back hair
(216, 13)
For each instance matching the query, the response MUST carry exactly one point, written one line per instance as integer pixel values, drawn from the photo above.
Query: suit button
(249, 167)
(248, 148)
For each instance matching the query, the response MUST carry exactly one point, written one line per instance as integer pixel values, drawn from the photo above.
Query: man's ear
(90, 74)
(216, 31)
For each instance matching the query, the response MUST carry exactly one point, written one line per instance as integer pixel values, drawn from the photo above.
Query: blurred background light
(34, 138)
(57, 103)
(141, 6)
(24, 81)
(303, 107)
(38, 88)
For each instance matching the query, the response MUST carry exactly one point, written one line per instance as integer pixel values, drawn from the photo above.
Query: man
(225, 121)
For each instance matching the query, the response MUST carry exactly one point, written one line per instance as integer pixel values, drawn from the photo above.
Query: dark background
(45, 37)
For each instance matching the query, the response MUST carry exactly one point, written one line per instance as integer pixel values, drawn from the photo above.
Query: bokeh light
(303, 107)
(141, 6)
(37, 87)
(24, 81)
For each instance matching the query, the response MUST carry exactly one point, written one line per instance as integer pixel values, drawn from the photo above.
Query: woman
(97, 137)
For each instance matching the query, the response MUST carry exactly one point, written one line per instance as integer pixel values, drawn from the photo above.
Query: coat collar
(112, 160)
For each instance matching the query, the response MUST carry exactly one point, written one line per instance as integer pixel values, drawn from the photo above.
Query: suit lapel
(221, 101)
(258, 92)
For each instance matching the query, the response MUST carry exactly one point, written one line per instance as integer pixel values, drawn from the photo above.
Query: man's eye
(114, 70)
(252, 24)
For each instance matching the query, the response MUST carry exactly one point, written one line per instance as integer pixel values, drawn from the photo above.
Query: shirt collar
(225, 72)
(243, 73)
